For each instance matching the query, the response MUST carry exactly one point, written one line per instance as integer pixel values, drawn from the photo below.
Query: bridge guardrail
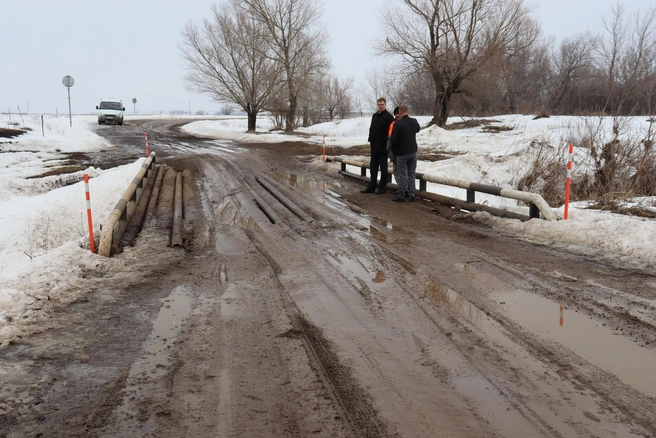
(537, 205)
(117, 221)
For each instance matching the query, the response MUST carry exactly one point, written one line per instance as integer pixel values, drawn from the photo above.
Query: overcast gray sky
(129, 49)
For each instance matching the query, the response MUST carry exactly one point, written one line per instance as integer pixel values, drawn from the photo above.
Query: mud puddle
(494, 405)
(319, 190)
(374, 226)
(230, 211)
(497, 405)
(600, 345)
(442, 295)
(361, 274)
(223, 147)
(144, 378)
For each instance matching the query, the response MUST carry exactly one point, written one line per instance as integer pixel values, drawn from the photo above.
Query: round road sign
(134, 100)
(68, 81)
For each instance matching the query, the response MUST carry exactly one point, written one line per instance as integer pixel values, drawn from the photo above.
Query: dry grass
(432, 156)
(610, 167)
(485, 123)
(11, 133)
(59, 171)
(496, 129)
(545, 173)
(615, 206)
(471, 123)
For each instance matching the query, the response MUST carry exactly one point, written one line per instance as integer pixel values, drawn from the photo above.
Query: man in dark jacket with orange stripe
(378, 131)
(404, 147)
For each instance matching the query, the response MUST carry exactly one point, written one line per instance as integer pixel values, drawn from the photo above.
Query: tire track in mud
(520, 336)
(402, 406)
(430, 329)
(636, 408)
(329, 366)
(355, 405)
(549, 386)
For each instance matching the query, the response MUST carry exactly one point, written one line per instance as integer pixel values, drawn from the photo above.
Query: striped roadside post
(86, 188)
(147, 150)
(568, 184)
(323, 148)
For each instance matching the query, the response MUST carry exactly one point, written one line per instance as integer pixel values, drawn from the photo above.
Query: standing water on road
(600, 345)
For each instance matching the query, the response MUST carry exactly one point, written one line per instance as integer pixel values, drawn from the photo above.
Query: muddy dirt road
(350, 316)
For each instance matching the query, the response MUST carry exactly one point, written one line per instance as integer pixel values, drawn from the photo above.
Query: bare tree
(345, 106)
(380, 83)
(227, 109)
(573, 58)
(418, 92)
(628, 55)
(334, 93)
(309, 101)
(358, 101)
(450, 39)
(522, 68)
(225, 60)
(295, 41)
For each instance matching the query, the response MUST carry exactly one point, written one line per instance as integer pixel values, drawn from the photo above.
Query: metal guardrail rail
(537, 205)
(117, 221)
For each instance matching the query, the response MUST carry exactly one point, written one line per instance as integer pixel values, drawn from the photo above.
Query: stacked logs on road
(168, 200)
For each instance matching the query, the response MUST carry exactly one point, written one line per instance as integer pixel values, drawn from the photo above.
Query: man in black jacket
(378, 131)
(404, 147)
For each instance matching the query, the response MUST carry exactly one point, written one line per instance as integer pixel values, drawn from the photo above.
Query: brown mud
(359, 317)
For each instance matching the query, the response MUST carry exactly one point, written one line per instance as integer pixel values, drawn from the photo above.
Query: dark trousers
(378, 161)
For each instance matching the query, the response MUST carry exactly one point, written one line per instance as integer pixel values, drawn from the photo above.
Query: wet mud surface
(300, 307)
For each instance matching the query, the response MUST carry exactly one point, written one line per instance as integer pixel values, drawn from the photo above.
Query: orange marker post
(147, 150)
(568, 184)
(86, 188)
(561, 316)
(323, 149)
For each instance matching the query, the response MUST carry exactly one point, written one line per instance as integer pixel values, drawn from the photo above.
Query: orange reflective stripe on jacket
(389, 133)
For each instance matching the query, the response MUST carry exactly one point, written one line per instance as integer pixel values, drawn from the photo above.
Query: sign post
(68, 83)
(134, 104)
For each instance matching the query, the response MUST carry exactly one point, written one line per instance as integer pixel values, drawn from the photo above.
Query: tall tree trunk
(306, 117)
(290, 121)
(437, 105)
(252, 121)
(446, 109)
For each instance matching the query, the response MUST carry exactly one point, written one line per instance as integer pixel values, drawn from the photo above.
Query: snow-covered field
(44, 236)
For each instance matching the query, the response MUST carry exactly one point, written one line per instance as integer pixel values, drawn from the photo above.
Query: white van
(110, 111)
